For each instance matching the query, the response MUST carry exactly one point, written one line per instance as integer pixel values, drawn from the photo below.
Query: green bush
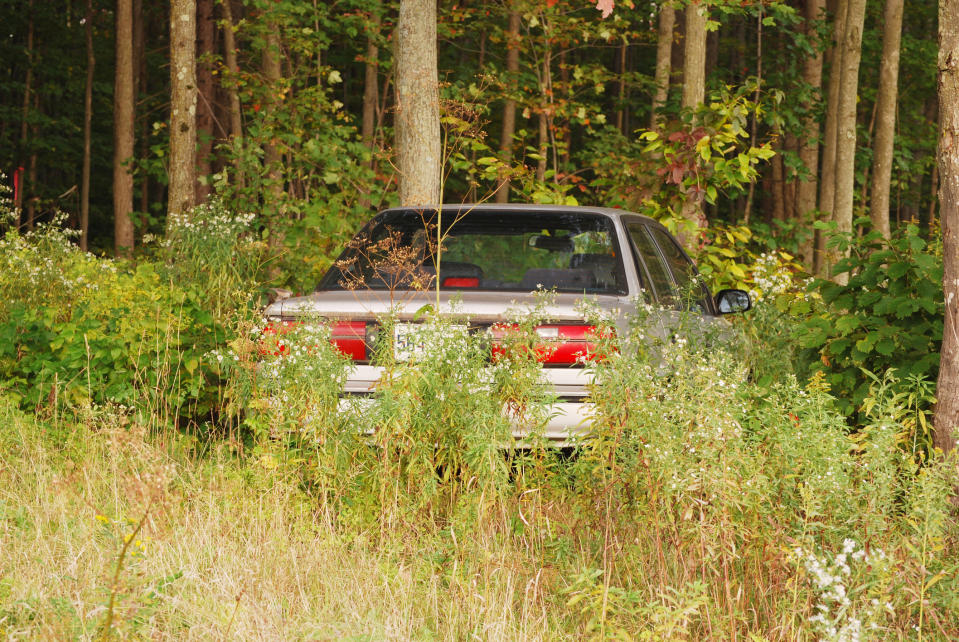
(75, 328)
(888, 315)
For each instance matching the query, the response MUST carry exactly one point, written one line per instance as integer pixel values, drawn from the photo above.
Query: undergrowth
(712, 500)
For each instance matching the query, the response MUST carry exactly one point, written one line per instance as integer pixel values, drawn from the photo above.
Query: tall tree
(206, 98)
(182, 106)
(827, 177)
(229, 57)
(694, 89)
(123, 131)
(509, 107)
(371, 85)
(664, 49)
(886, 116)
(25, 109)
(809, 147)
(947, 387)
(417, 117)
(846, 126)
(87, 129)
(273, 72)
(694, 55)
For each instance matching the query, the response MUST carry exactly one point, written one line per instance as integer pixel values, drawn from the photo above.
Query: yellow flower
(103, 519)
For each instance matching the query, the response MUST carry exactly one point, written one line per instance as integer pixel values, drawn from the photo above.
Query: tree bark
(509, 108)
(846, 126)
(205, 30)
(886, 116)
(809, 148)
(229, 57)
(621, 91)
(87, 131)
(371, 81)
(827, 182)
(694, 55)
(947, 387)
(123, 131)
(273, 72)
(694, 89)
(417, 119)
(25, 109)
(182, 106)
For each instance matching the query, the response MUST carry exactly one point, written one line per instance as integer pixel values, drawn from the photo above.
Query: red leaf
(606, 6)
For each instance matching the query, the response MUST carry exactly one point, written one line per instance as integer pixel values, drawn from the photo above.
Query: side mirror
(732, 301)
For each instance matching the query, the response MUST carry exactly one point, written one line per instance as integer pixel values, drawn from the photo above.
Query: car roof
(531, 208)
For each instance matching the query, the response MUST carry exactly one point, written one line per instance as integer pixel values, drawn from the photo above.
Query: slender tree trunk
(273, 72)
(621, 91)
(182, 106)
(543, 145)
(947, 387)
(694, 90)
(694, 56)
(205, 30)
(778, 185)
(827, 181)
(886, 116)
(509, 108)
(123, 131)
(809, 147)
(87, 129)
(371, 80)
(846, 127)
(229, 56)
(750, 195)
(25, 110)
(417, 119)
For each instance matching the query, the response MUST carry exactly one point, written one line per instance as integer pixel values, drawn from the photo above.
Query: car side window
(682, 267)
(684, 272)
(654, 262)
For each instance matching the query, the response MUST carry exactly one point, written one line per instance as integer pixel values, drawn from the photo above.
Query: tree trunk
(417, 119)
(371, 81)
(827, 182)
(25, 110)
(621, 92)
(809, 148)
(205, 30)
(886, 116)
(694, 55)
(846, 126)
(123, 131)
(272, 159)
(87, 129)
(229, 56)
(509, 108)
(543, 145)
(947, 387)
(694, 91)
(182, 106)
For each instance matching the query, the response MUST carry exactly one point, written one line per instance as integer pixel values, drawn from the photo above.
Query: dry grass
(228, 552)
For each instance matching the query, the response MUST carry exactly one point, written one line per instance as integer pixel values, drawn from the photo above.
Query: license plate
(410, 340)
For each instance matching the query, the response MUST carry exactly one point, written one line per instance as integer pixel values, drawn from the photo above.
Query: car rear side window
(654, 262)
(682, 267)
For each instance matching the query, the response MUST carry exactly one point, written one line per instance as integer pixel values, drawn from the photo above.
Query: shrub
(888, 315)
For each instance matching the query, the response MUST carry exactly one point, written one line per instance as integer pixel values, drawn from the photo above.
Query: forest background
(168, 165)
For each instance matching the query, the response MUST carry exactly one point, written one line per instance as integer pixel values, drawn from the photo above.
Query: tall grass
(705, 505)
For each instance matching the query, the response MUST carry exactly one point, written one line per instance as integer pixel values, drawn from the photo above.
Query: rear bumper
(570, 418)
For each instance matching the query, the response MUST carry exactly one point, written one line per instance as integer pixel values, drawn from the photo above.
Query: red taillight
(461, 282)
(349, 337)
(564, 344)
(271, 342)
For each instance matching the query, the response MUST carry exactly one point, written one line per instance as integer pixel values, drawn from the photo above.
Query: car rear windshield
(482, 250)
